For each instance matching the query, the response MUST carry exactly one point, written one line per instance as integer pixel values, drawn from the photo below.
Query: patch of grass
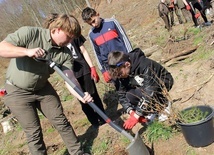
(158, 130)
(61, 151)
(82, 122)
(9, 146)
(41, 116)
(203, 54)
(67, 97)
(194, 31)
(161, 40)
(102, 147)
(124, 140)
(50, 130)
(198, 40)
(190, 151)
(22, 144)
(4, 152)
(18, 127)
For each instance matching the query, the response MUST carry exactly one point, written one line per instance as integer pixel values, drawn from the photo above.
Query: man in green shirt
(27, 86)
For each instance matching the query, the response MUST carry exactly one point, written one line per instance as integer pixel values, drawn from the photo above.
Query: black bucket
(201, 133)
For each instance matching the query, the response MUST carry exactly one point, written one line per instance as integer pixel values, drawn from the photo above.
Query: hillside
(193, 85)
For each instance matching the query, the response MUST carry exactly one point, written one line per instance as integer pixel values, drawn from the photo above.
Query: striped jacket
(110, 36)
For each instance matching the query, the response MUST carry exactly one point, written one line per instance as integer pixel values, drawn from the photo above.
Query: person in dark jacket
(86, 75)
(141, 85)
(192, 5)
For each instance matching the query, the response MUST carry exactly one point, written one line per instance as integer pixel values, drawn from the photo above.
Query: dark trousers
(201, 10)
(87, 84)
(24, 105)
(135, 95)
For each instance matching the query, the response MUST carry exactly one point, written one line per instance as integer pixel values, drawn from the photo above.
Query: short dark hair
(116, 60)
(116, 57)
(87, 13)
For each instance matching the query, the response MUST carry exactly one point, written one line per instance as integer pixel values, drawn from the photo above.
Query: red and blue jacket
(110, 36)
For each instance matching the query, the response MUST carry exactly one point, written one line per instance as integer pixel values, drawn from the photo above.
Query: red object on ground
(3, 92)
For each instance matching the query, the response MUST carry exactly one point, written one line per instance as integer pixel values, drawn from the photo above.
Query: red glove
(171, 5)
(131, 122)
(3, 92)
(94, 74)
(142, 120)
(197, 15)
(188, 7)
(106, 76)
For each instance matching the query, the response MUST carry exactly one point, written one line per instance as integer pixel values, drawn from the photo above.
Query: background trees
(15, 14)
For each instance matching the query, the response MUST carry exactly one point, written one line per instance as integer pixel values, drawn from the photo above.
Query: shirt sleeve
(123, 36)
(20, 37)
(97, 55)
(64, 59)
(121, 90)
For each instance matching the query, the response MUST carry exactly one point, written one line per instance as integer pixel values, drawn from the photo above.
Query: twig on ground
(196, 90)
(182, 53)
(176, 60)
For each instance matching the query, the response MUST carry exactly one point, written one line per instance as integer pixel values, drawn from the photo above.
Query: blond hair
(68, 23)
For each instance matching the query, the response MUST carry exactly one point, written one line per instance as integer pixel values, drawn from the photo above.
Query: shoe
(173, 24)
(207, 11)
(197, 26)
(181, 22)
(207, 24)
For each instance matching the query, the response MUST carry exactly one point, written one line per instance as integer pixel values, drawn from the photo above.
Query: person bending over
(142, 84)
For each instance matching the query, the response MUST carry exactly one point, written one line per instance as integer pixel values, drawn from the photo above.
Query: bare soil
(193, 83)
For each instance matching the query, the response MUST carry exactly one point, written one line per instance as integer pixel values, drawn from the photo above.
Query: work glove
(142, 119)
(197, 15)
(188, 7)
(171, 5)
(131, 122)
(94, 74)
(106, 76)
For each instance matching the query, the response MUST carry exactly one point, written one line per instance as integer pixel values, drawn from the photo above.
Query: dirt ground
(193, 81)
